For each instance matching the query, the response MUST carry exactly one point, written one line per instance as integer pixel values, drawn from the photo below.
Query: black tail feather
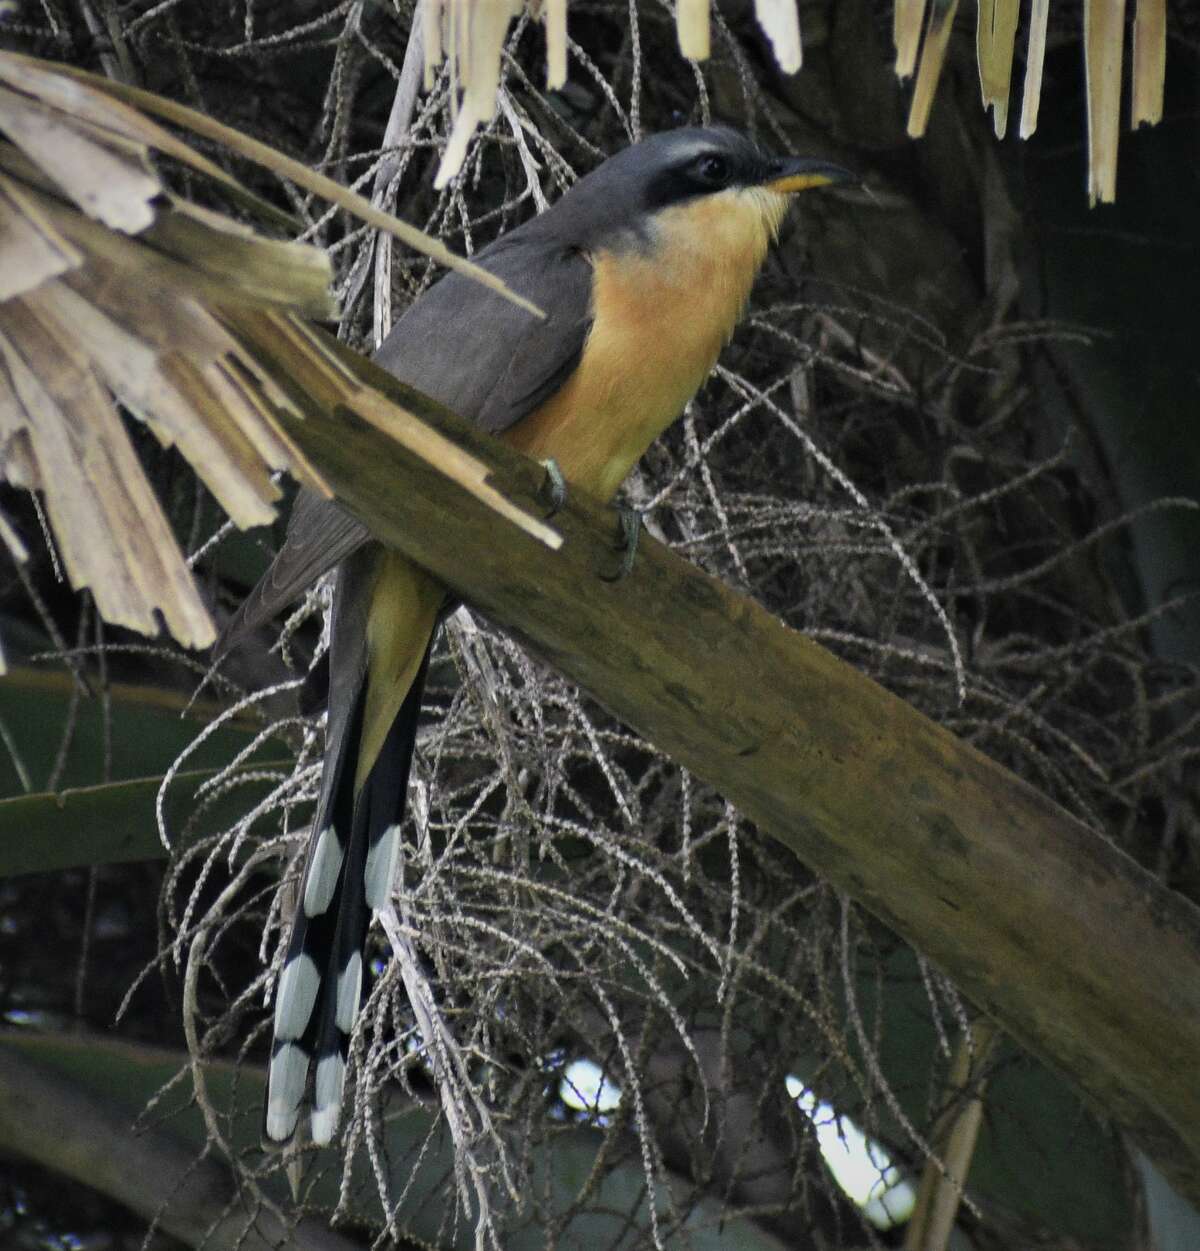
(321, 984)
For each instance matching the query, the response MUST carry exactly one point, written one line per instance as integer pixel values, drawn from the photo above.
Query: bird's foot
(554, 487)
(629, 529)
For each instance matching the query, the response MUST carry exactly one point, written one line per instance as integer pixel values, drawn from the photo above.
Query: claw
(629, 523)
(554, 488)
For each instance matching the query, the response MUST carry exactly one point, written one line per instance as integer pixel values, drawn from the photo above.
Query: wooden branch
(1071, 946)
(57, 1122)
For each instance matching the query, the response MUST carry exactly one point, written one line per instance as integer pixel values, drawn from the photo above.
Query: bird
(642, 269)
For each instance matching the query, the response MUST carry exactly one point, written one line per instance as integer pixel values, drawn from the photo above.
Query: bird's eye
(713, 170)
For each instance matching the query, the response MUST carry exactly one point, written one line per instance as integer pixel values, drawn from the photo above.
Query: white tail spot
(381, 867)
(323, 872)
(349, 990)
(327, 1098)
(295, 997)
(285, 1084)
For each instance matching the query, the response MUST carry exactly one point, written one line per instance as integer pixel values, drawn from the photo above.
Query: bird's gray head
(626, 194)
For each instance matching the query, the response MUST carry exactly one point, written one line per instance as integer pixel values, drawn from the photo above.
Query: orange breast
(661, 312)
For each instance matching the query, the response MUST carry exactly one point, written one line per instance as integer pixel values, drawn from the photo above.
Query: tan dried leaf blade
(1103, 44)
(1149, 62)
(322, 382)
(110, 290)
(995, 42)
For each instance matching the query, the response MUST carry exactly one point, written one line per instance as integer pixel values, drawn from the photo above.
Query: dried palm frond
(107, 279)
(470, 37)
(995, 39)
(114, 290)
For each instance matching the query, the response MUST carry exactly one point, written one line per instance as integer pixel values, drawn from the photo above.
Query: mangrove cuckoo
(642, 269)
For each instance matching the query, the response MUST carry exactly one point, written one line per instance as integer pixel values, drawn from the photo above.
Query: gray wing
(478, 353)
(471, 350)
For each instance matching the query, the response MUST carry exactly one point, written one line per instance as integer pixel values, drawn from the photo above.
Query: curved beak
(798, 173)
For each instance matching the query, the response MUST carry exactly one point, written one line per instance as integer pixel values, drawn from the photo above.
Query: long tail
(351, 859)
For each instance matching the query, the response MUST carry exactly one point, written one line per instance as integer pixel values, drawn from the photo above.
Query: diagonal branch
(1071, 946)
(57, 1121)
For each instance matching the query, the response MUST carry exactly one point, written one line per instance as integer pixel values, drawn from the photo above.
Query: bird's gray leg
(554, 488)
(629, 529)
